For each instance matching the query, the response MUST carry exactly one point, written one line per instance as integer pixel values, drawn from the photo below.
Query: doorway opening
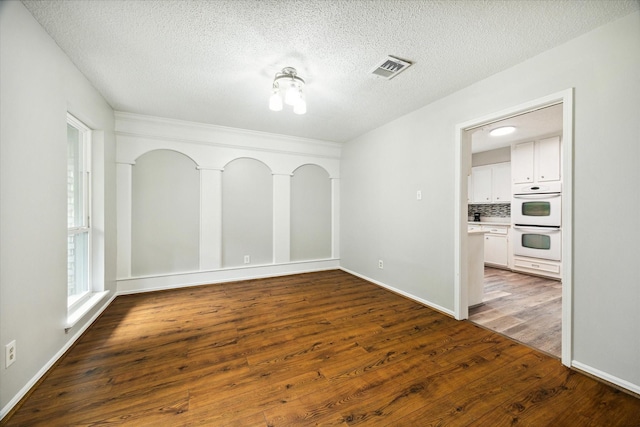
(531, 303)
(521, 302)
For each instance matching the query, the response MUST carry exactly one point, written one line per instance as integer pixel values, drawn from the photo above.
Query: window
(78, 212)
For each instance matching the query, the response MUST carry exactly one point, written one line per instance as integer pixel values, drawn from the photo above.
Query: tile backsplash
(501, 210)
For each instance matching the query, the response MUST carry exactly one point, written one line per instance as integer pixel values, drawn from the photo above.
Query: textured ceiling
(214, 61)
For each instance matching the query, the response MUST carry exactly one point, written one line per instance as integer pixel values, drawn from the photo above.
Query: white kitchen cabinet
(491, 183)
(501, 183)
(481, 177)
(536, 161)
(548, 159)
(522, 162)
(496, 245)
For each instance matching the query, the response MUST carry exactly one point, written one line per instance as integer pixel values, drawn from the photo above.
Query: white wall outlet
(380, 264)
(10, 353)
(247, 259)
(418, 195)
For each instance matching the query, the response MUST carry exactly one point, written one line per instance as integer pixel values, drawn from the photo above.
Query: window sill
(74, 316)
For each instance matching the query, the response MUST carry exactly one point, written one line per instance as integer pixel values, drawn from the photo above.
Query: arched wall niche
(165, 212)
(247, 213)
(310, 213)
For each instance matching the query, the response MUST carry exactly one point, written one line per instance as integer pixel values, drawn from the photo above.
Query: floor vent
(390, 67)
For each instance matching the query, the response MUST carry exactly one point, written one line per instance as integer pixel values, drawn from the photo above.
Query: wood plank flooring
(523, 307)
(322, 348)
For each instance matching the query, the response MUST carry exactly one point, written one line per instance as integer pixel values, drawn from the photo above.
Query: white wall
(381, 171)
(39, 84)
(489, 157)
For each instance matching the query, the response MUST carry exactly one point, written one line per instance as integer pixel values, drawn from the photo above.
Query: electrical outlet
(247, 259)
(380, 264)
(418, 195)
(10, 353)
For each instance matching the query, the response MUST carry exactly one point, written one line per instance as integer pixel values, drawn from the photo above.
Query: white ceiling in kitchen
(529, 126)
(214, 61)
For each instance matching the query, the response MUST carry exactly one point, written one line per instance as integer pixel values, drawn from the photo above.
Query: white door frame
(463, 169)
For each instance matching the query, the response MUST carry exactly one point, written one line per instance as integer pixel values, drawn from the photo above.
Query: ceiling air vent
(390, 67)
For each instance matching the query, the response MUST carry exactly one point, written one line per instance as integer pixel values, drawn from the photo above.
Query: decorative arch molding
(312, 164)
(248, 158)
(212, 147)
(195, 163)
(211, 157)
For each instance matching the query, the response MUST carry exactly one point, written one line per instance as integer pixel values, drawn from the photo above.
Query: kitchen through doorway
(524, 267)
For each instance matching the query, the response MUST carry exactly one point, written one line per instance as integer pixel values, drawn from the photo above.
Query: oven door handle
(536, 196)
(538, 230)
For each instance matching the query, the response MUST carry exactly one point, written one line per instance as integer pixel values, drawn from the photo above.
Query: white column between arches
(123, 218)
(281, 218)
(210, 219)
(335, 217)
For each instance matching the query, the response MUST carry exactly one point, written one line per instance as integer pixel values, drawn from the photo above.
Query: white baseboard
(634, 388)
(182, 280)
(403, 293)
(23, 392)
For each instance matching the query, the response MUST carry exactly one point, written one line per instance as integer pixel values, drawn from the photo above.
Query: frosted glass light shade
(504, 130)
(275, 102)
(292, 95)
(300, 106)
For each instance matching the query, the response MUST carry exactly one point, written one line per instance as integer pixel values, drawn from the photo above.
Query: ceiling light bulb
(300, 107)
(504, 130)
(275, 102)
(292, 95)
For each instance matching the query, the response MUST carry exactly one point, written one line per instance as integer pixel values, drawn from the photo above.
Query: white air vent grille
(390, 67)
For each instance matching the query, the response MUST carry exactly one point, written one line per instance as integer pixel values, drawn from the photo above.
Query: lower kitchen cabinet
(496, 246)
(496, 250)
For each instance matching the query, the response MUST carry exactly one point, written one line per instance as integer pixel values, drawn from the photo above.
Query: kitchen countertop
(490, 220)
(508, 224)
(472, 232)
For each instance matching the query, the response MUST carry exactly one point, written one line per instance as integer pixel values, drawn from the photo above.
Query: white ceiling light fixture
(503, 130)
(287, 81)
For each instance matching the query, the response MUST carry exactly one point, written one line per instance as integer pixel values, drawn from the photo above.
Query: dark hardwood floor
(322, 348)
(523, 307)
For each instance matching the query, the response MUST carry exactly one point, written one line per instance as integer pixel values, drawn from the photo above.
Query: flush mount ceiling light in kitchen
(288, 89)
(504, 130)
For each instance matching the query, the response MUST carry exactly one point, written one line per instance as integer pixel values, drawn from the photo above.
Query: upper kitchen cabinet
(548, 159)
(536, 161)
(491, 183)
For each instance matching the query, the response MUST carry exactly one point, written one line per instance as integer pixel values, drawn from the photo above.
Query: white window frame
(77, 300)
